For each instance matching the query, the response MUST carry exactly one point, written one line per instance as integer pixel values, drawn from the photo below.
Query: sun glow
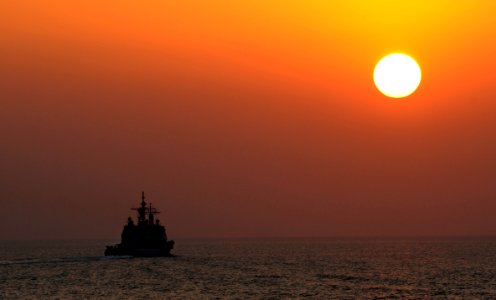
(397, 75)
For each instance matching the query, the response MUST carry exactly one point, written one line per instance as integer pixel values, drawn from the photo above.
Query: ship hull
(142, 252)
(118, 250)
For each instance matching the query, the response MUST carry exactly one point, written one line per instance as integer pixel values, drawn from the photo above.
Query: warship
(147, 238)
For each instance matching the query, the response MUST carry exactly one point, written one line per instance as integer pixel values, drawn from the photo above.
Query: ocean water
(254, 269)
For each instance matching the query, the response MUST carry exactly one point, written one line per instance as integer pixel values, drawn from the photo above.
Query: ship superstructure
(145, 238)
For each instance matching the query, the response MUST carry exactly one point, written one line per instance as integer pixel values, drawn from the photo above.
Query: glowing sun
(397, 75)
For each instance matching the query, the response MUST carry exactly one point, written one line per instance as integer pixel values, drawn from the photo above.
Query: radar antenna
(143, 210)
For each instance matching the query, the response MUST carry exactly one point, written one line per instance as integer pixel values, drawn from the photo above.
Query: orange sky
(245, 118)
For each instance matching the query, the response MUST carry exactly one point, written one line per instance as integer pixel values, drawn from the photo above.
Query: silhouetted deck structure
(146, 238)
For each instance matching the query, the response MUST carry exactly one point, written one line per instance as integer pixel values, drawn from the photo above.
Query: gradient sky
(245, 118)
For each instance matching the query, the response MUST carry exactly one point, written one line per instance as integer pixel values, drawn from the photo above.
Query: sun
(397, 75)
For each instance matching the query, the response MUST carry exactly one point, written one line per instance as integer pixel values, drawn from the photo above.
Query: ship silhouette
(147, 238)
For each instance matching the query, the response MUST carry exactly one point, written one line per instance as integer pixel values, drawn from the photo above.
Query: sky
(245, 118)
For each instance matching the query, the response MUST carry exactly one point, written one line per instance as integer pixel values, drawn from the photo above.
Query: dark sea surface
(253, 269)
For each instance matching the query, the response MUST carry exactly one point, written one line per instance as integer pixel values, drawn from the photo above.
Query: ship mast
(142, 210)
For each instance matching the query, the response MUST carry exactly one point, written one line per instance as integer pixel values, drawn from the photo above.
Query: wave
(67, 259)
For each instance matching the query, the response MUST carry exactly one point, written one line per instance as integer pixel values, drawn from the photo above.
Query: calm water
(272, 268)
